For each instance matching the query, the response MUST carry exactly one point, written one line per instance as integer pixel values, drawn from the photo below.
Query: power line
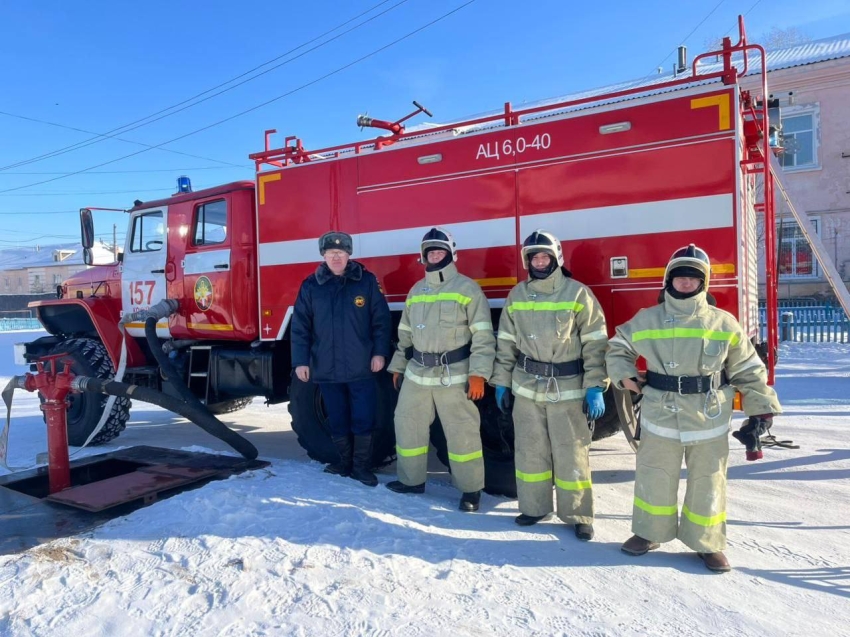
(43, 212)
(685, 39)
(128, 127)
(99, 138)
(102, 192)
(121, 172)
(258, 106)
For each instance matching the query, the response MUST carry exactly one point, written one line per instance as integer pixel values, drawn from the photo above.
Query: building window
(57, 279)
(796, 260)
(800, 134)
(148, 233)
(211, 223)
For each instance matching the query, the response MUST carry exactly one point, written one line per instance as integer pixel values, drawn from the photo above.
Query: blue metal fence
(808, 322)
(13, 324)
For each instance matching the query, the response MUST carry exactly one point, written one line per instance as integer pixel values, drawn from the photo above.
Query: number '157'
(141, 290)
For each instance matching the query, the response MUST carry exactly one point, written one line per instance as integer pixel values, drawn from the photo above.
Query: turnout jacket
(689, 337)
(339, 323)
(553, 320)
(443, 312)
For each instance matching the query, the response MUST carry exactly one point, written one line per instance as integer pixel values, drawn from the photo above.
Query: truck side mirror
(88, 256)
(86, 230)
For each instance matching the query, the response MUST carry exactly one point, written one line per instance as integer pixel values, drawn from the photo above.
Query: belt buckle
(679, 385)
(524, 365)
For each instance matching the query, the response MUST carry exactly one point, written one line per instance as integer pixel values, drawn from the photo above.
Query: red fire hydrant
(54, 387)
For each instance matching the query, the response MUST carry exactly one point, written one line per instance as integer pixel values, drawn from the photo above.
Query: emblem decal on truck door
(203, 293)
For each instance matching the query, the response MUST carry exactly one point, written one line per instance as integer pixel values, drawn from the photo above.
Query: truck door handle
(158, 271)
(221, 266)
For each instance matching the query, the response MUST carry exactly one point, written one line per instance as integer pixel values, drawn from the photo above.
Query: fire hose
(188, 405)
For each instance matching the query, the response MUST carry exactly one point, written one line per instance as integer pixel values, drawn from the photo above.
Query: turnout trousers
(552, 443)
(417, 406)
(655, 517)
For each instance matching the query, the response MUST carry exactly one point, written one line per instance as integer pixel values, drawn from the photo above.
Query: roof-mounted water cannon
(396, 128)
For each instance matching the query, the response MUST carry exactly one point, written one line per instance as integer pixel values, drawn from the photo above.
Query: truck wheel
(309, 421)
(229, 406)
(90, 358)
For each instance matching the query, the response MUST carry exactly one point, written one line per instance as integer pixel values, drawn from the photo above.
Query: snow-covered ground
(289, 550)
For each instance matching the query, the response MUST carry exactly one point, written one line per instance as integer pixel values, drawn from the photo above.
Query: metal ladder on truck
(819, 250)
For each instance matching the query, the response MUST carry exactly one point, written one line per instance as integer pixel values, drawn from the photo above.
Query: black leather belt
(686, 384)
(438, 360)
(570, 368)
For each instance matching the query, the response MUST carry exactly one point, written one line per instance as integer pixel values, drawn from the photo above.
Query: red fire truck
(623, 179)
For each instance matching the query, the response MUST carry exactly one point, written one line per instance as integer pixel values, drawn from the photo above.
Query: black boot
(529, 520)
(469, 501)
(362, 465)
(401, 487)
(341, 467)
(584, 532)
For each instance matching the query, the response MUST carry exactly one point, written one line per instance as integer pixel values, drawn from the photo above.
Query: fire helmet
(689, 261)
(438, 238)
(335, 241)
(542, 241)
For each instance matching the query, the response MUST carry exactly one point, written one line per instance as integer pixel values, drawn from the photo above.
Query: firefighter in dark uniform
(341, 337)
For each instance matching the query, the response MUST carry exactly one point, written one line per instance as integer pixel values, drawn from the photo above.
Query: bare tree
(775, 38)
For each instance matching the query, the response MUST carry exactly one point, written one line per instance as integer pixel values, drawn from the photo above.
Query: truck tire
(90, 358)
(229, 406)
(309, 421)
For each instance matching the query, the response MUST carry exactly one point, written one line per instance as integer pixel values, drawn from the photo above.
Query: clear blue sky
(99, 65)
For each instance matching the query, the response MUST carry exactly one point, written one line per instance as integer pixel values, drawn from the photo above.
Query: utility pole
(114, 242)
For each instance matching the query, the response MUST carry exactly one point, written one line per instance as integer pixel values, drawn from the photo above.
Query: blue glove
(594, 403)
(503, 399)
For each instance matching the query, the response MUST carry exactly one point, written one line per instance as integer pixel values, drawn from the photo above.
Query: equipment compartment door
(206, 271)
(143, 269)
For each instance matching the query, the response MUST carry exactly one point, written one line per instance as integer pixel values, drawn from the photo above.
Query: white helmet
(438, 237)
(542, 241)
(689, 261)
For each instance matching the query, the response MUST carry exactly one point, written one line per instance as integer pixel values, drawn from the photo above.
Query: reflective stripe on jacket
(689, 337)
(443, 312)
(554, 320)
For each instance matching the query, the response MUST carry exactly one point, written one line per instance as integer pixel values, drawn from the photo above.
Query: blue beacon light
(184, 184)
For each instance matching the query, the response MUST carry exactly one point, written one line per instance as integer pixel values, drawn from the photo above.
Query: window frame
(200, 209)
(794, 276)
(812, 110)
(137, 223)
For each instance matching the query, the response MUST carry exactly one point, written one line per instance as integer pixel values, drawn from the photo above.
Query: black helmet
(689, 261)
(335, 241)
(440, 239)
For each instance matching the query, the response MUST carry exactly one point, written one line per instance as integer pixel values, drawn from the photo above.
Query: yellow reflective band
(465, 457)
(572, 486)
(404, 328)
(483, 325)
(409, 453)
(442, 296)
(656, 510)
(506, 337)
(533, 477)
(544, 306)
(685, 332)
(702, 520)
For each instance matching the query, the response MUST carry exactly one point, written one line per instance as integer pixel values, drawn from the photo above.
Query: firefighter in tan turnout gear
(445, 353)
(551, 355)
(696, 355)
